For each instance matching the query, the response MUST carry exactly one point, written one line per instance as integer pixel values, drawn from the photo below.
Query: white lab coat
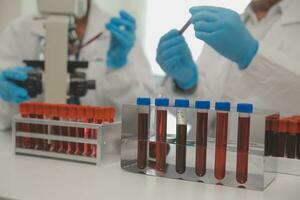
(21, 40)
(271, 81)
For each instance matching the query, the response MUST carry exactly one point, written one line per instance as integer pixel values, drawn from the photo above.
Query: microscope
(56, 77)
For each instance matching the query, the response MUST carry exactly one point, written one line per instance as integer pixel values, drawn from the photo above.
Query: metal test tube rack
(107, 142)
(261, 170)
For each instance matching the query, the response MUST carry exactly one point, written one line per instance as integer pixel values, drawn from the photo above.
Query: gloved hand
(224, 31)
(9, 91)
(174, 57)
(122, 39)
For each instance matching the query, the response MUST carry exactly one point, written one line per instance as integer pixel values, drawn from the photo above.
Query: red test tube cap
(23, 108)
(99, 114)
(73, 110)
(54, 110)
(283, 125)
(81, 111)
(293, 126)
(90, 112)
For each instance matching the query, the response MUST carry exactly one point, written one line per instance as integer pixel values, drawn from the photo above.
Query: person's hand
(9, 91)
(122, 31)
(174, 57)
(224, 31)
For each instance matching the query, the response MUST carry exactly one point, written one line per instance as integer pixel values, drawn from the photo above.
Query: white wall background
(155, 18)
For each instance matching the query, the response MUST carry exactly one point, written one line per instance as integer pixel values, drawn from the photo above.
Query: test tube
(32, 143)
(181, 134)
(99, 118)
(161, 132)
(201, 136)
(291, 138)
(64, 131)
(143, 131)
(223, 109)
(81, 111)
(41, 129)
(54, 130)
(268, 135)
(282, 132)
(23, 127)
(90, 115)
(275, 136)
(298, 138)
(72, 116)
(245, 111)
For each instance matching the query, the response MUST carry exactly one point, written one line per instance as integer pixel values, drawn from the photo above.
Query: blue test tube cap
(143, 101)
(202, 105)
(163, 102)
(182, 103)
(245, 108)
(223, 106)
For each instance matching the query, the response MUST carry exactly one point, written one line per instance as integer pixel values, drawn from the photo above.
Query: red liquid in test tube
(222, 109)
(99, 118)
(245, 111)
(64, 131)
(161, 133)
(282, 133)
(23, 127)
(181, 134)
(81, 111)
(291, 138)
(143, 131)
(90, 115)
(269, 133)
(72, 116)
(31, 143)
(54, 130)
(201, 136)
(41, 128)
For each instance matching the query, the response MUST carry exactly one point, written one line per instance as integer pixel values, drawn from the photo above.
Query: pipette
(186, 25)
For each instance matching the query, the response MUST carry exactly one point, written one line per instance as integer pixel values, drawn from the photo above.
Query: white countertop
(23, 177)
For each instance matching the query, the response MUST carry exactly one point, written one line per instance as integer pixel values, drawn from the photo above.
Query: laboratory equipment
(161, 133)
(143, 128)
(281, 140)
(50, 130)
(223, 109)
(291, 138)
(181, 162)
(245, 111)
(181, 134)
(78, 85)
(201, 136)
(185, 27)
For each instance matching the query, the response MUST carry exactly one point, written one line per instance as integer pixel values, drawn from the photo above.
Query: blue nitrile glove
(224, 31)
(174, 57)
(9, 91)
(122, 39)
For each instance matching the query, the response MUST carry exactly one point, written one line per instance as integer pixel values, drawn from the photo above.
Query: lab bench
(23, 177)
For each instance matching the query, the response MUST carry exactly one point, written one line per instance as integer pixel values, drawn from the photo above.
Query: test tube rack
(282, 143)
(105, 141)
(261, 169)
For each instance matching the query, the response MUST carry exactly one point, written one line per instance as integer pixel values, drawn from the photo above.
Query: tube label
(181, 117)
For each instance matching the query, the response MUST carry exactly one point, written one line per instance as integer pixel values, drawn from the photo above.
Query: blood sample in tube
(275, 137)
(99, 118)
(143, 131)
(181, 134)
(298, 138)
(244, 111)
(64, 130)
(282, 130)
(81, 111)
(72, 116)
(201, 136)
(291, 138)
(90, 115)
(161, 133)
(23, 127)
(223, 109)
(39, 111)
(269, 134)
(55, 130)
